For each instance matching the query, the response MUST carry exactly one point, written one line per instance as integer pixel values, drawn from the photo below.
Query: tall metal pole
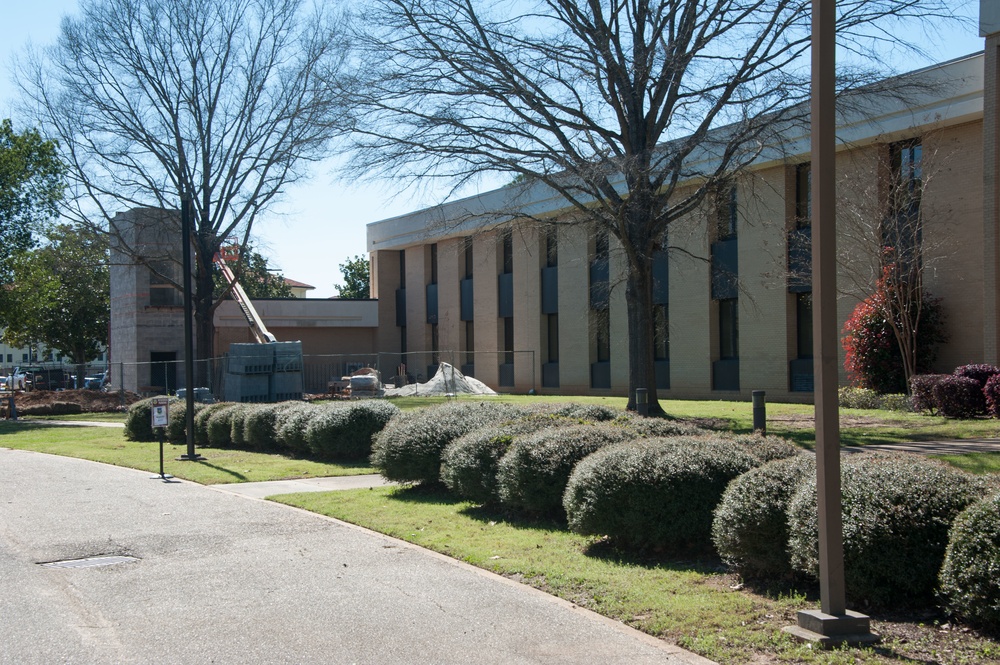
(824, 283)
(833, 624)
(191, 455)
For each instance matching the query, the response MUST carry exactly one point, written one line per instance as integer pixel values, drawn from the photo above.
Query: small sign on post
(160, 418)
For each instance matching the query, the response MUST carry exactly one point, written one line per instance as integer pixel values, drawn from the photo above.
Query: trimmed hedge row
(532, 475)
(970, 391)
(343, 431)
(656, 493)
(969, 577)
(750, 526)
(897, 511)
(470, 463)
(409, 449)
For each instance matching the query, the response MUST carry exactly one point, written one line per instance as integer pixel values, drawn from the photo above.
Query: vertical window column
(505, 286)
(550, 311)
(600, 323)
(725, 290)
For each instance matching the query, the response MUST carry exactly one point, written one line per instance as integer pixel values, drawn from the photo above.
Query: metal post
(833, 624)
(759, 412)
(191, 455)
(642, 401)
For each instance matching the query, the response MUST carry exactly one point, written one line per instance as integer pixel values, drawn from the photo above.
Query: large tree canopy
(221, 100)
(356, 275)
(615, 106)
(31, 184)
(60, 295)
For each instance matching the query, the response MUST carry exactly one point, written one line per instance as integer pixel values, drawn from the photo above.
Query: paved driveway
(221, 578)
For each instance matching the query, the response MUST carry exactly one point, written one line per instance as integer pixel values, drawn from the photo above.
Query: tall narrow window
(602, 337)
(803, 195)
(434, 263)
(552, 338)
(435, 351)
(661, 333)
(804, 325)
(402, 269)
(508, 340)
(729, 329)
(727, 211)
(468, 257)
(902, 232)
(470, 343)
(551, 248)
(508, 252)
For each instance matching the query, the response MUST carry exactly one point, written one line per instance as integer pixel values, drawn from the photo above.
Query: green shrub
(896, 402)
(259, 425)
(177, 421)
(897, 510)
(971, 570)
(345, 432)
(655, 493)
(850, 397)
(201, 421)
(409, 448)
(220, 425)
(237, 419)
(138, 421)
(532, 475)
(750, 528)
(656, 427)
(592, 413)
(290, 426)
(469, 463)
(764, 448)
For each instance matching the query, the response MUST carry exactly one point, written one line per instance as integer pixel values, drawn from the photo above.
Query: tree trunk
(639, 298)
(204, 317)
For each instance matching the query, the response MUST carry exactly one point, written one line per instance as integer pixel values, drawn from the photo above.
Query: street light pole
(191, 455)
(833, 624)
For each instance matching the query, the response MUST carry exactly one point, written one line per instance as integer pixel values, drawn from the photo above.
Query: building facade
(527, 305)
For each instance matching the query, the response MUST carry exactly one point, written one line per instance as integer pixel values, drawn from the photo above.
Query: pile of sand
(447, 381)
(46, 402)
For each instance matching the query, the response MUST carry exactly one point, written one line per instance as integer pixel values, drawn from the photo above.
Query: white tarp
(447, 380)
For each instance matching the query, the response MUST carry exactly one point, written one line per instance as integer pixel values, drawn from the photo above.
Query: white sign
(160, 414)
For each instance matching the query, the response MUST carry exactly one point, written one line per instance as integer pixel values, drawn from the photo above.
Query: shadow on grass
(425, 493)
(238, 476)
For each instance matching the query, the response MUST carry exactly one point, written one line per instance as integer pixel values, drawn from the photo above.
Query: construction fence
(320, 374)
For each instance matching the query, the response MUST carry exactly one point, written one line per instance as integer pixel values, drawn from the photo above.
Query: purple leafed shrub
(921, 391)
(980, 372)
(959, 397)
(992, 394)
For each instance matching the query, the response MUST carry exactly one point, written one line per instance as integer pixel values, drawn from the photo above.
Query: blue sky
(320, 224)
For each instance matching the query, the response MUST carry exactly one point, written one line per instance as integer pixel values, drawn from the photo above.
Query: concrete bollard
(642, 401)
(759, 412)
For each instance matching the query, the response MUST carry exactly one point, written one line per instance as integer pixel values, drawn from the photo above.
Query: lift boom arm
(257, 326)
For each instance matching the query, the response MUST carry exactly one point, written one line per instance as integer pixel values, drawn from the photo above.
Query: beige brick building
(522, 305)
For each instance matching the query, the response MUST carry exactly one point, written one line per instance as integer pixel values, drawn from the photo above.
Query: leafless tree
(225, 100)
(885, 253)
(616, 106)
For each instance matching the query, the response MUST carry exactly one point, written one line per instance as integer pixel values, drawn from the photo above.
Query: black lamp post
(191, 455)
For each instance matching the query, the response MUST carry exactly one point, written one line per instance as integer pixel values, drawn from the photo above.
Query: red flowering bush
(992, 394)
(873, 357)
(959, 397)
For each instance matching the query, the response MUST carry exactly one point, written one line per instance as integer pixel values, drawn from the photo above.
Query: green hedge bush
(237, 420)
(345, 432)
(259, 426)
(219, 426)
(177, 421)
(409, 448)
(970, 576)
(533, 473)
(592, 413)
(201, 421)
(290, 426)
(656, 427)
(655, 493)
(750, 527)
(138, 420)
(897, 510)
(469, 464)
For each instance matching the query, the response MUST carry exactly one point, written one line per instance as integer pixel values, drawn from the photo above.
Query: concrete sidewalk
(225, 579)
(267, 488)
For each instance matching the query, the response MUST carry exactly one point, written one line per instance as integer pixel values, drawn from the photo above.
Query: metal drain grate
(90, 562)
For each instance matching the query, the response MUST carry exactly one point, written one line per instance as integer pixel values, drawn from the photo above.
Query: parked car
(201, 395)
(16, 380)
(96, 382)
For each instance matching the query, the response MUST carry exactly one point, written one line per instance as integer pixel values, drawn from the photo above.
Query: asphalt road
(221, 578)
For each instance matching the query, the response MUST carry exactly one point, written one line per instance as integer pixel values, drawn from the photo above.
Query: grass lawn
(795, 421)
(81, 417)
(108, 445)
(687, 602)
